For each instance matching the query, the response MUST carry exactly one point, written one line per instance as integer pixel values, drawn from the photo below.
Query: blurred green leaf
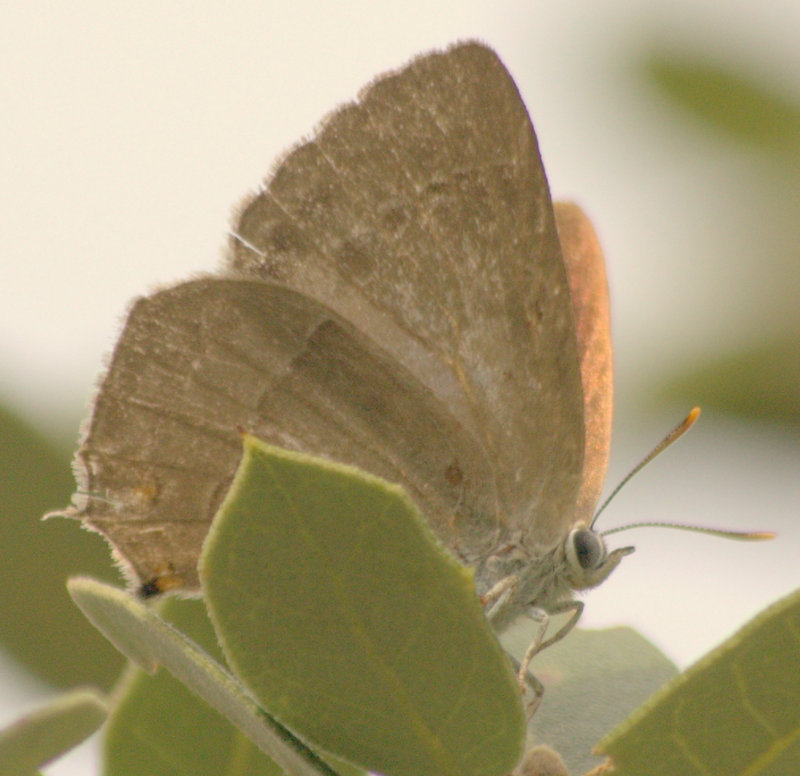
(737, 711)
(593, 680)
(149, 641)
(728, 102)
(159, 726)
(347, 620)
(50, 731)
(761, 383)
(39, 626)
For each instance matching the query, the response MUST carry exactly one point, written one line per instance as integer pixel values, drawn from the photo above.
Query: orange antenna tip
(760, 536)
(676, 433)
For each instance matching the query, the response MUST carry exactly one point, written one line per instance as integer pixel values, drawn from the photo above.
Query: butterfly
(400, 295)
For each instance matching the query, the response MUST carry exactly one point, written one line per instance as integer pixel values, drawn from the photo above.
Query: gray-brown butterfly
(399, 296)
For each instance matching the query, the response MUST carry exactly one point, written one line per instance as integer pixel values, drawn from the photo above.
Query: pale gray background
(130, 130)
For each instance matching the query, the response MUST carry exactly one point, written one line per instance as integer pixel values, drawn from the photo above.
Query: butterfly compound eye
(585, 549)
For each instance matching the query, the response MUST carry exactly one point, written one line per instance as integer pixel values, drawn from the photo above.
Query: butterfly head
(586, 558)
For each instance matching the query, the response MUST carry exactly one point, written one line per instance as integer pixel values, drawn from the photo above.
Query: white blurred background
(131, 129)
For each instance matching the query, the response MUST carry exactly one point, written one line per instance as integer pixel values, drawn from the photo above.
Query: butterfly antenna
(671, 437)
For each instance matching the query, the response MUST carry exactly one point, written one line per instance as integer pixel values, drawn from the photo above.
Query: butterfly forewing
(421, 213)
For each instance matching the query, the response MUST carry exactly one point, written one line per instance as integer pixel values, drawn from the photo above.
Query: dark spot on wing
(453, 475)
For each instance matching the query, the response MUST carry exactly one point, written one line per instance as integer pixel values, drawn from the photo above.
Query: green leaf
(593, 679)
(727, 101)
(159, 726)
(762, 382)
(50, 731)
(737, 711)
(337, 608)
(38, 555)
(145, 638)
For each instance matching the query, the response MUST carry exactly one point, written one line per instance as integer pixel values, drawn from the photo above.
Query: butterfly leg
(526, 679)
(495, 599)
(539, 643)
